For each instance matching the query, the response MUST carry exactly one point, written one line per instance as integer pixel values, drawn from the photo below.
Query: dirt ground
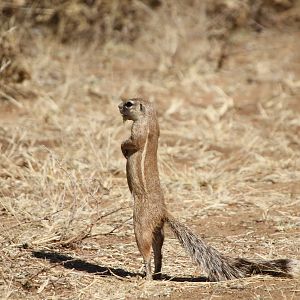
(229, 159)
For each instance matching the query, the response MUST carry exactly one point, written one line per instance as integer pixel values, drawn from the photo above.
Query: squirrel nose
(120, 106)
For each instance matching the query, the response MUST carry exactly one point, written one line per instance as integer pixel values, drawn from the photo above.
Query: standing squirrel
(150, 212)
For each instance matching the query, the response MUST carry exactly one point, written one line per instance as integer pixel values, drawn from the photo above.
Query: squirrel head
(135, 108)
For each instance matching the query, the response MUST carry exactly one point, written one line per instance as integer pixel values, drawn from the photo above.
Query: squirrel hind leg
(145, 251)
(144, 241)
(147, 265)
(157, 243)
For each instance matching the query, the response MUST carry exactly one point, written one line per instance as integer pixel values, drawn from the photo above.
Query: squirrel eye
(128, 104)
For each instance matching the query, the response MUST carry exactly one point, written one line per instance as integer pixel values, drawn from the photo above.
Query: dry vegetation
(225, 76)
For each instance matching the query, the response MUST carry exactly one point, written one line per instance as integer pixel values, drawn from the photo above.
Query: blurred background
(174, 39)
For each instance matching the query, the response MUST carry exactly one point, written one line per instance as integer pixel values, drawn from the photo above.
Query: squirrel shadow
(70, 262)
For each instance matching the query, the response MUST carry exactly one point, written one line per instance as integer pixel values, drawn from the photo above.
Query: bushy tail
(219, 267)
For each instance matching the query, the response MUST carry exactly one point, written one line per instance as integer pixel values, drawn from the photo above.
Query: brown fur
(150, 212)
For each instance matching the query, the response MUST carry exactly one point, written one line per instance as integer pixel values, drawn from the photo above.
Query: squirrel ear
(142, 108)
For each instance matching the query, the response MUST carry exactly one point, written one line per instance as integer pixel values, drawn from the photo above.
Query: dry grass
(229, 160)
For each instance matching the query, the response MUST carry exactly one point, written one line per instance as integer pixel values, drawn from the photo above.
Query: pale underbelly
(135, 175)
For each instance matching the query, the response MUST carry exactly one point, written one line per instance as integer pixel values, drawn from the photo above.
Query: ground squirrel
(150, 212)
